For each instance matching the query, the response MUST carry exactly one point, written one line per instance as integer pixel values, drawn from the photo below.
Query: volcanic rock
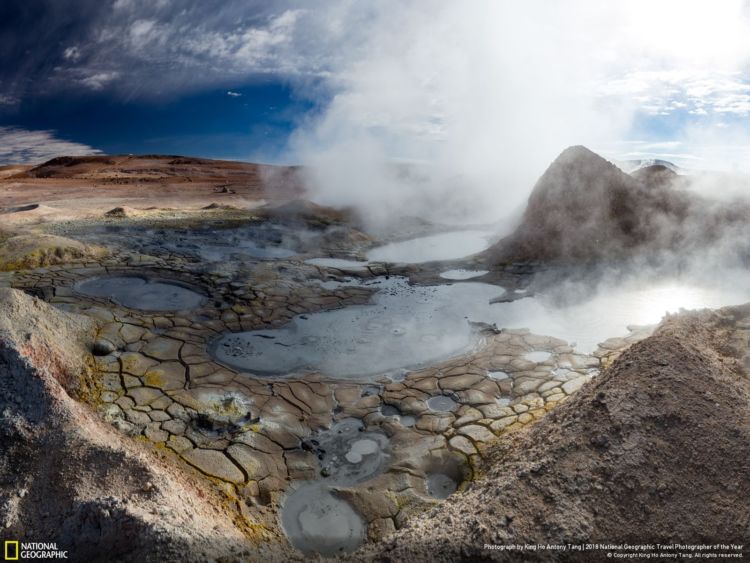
(656, 176)
(584, 207)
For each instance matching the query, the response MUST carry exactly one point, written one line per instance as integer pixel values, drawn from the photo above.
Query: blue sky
(135, 76)
(488, 89)
(248, 122)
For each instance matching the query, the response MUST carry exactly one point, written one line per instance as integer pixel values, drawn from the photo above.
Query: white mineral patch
(497, 375)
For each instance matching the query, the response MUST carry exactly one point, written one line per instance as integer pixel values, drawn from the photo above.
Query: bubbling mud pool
(317, 521)
(142, 293)
(314, 519)
(440, 485)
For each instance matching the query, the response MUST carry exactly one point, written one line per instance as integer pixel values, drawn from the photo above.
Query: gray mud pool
(142, 293)
(441, 403)
(262, 241)
(406, 326)
(444, 246)
(440, 485)
(317, 521)
(462, 274)
(338, 263)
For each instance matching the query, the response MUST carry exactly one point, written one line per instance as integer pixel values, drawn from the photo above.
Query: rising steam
(450, 111)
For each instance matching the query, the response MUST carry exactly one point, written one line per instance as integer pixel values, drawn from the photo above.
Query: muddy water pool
(444, 246)
(411, 326)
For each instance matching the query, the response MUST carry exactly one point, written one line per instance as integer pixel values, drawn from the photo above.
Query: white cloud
(233, 94)
(123, 4)
(140, 30)
(168, 50)
(20, 146)
(7, 100)
(98, 80)
(72, 53)
(698, 91)
(657, 54)
(251, 49)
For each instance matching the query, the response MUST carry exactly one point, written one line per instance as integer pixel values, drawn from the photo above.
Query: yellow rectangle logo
(11, 550)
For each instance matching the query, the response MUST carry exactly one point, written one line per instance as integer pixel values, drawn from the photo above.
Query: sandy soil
(75, 187)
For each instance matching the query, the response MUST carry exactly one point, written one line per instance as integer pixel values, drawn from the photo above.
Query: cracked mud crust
(248, 441)
(244, 436)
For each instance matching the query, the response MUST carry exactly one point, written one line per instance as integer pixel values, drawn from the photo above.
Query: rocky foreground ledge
(654, 450)
(67, 476)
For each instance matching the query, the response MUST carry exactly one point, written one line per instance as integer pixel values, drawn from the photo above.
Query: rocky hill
(656, 176)
(584, 208)
(143, 168)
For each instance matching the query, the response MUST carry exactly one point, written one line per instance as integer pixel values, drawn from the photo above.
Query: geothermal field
(238, 373)
(374, 281)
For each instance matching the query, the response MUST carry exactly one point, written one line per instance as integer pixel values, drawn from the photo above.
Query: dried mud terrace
(252, 441)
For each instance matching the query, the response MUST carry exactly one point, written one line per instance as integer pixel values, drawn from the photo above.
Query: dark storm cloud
(32, 38)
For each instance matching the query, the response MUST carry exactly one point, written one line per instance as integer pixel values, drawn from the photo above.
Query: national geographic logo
(15, 551)
(11, 550)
